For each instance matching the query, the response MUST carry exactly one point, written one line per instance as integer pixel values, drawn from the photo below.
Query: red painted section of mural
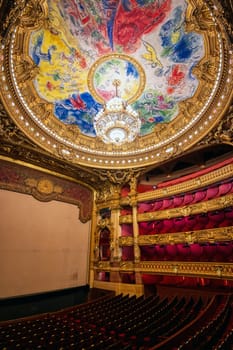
(132, 23)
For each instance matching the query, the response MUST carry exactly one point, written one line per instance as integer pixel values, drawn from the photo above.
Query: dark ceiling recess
(4, 13)
(187, 163)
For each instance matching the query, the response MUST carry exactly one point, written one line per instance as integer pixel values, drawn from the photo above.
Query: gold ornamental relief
(196, 269)
(33, 13)
(126, 241)
(26, 14)
(199, 17)
(44, 186)
(25, 69)
(209, 269)
(104, 64)
(223, 234)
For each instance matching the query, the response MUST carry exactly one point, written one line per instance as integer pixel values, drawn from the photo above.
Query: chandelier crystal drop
(117, 123)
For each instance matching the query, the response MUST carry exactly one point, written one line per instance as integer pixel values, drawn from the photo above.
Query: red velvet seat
(167, 226)
(198, 226)
(183, 251)
(179, 224)
(127, 253)
(178, 201)
(212, 192)
(148, 253)
(161, 252)
(171, 251)
(167, 203)
(158, 226)
(151, 227)
(157, 205)
(196, 251)
(229, 213)
(202, 220)
(144, 207)
(216, 216)
(211, 224)
(199, 196)
(210, 251)
(188, 198)
(126, 230)
(226, 250)
(225, 223)
(190, 221)
(143, 228)
(225, 188)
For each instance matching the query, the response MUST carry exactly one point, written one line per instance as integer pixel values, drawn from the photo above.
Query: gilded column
(133, 201)
(93, 245)
(115, 213)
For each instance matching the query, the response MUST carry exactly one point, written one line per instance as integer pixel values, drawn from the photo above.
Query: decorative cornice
(222, 133)
(214, 235)
(10, 132)
(205, 269)
(123, 266)
(200, 269)
(102, 265)
(126, 241)
(119, 176)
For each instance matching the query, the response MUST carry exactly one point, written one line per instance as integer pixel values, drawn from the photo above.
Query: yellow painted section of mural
(62, 72)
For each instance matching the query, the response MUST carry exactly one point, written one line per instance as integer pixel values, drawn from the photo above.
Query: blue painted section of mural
(131, 70)
(78, 110)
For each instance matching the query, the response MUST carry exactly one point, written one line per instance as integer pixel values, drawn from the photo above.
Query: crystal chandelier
(117, 122)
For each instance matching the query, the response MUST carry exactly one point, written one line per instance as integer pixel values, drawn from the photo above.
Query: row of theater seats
(202, 221)
(222, 252)
(111, 323)
(216, 333)
(204, 194)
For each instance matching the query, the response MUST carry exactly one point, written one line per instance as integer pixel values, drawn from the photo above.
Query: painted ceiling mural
(63, 61)
(90, 32)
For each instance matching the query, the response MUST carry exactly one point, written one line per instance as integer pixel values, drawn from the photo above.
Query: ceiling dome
(171, 58)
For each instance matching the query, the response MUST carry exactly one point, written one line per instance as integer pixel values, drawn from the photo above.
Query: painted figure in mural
(86, 32)
(38, 55)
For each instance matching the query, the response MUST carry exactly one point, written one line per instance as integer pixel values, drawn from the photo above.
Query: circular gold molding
(118, 57)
